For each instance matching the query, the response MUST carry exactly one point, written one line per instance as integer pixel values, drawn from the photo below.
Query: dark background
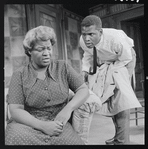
(79, 9)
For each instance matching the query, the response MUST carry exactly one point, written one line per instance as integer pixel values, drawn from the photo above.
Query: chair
(7, 113)
(141, 109)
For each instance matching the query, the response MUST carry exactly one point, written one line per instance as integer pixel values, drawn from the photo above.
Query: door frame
(57, 15)
(134, 23)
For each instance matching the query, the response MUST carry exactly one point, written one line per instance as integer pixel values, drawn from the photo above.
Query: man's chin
(89, 47)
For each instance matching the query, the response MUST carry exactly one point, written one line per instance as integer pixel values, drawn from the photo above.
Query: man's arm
(131, 65)
(127, 56)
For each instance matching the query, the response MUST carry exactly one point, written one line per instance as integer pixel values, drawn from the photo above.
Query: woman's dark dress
(43, 99)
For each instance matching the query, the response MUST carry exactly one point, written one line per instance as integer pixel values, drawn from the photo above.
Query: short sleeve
(15, 94)
(75, 80)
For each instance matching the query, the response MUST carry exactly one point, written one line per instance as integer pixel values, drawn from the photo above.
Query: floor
(102, 128)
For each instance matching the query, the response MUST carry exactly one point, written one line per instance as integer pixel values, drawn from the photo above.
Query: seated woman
(38, 95)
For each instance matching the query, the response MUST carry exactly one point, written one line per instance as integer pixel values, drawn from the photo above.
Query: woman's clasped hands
(52, 128)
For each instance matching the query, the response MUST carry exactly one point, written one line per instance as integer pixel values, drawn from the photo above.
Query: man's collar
(101, 40)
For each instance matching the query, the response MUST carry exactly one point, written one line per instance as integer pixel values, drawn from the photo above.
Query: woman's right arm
(16, 100)
(22, 116)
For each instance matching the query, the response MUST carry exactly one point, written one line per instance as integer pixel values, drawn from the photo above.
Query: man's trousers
(122, 127)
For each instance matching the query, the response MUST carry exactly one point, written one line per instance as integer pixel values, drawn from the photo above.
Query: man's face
(91, 35)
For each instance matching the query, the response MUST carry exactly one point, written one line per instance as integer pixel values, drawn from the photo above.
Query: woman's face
(41, 54)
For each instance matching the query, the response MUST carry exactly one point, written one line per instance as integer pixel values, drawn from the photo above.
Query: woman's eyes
(40, 49)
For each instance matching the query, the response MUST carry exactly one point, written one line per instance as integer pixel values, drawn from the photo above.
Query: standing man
(110, 79)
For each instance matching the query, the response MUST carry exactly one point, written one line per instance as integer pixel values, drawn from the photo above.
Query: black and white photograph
(74, 74)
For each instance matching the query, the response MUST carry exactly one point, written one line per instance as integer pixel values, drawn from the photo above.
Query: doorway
(48, 16)
(134, 28)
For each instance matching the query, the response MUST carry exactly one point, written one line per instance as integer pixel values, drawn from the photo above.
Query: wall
(72, 35)
(112, 14)
(17, 22)
(14, 31)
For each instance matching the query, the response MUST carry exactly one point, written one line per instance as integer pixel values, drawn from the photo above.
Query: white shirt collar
(101, 40)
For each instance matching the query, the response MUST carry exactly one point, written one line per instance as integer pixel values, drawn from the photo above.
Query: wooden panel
(48, 17)
(133, 29)
(118, 8)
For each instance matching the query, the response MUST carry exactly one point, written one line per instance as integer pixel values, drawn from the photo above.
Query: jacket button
(47, 140)
(48, 100)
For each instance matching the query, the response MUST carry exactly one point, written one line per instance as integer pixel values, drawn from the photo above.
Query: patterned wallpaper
(49, 21)
(14, 31)
(72, 31)
(15, 28)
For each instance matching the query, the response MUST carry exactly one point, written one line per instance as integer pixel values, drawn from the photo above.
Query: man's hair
(92, 20)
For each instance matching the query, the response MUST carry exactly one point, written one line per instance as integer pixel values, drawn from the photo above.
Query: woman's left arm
(78, 99)
(76, 84)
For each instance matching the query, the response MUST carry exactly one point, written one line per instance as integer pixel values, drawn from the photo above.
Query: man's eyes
(90, 34)
(42, 49)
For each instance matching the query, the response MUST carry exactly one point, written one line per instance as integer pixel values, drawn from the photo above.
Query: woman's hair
(40, 33)
(92, 20)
